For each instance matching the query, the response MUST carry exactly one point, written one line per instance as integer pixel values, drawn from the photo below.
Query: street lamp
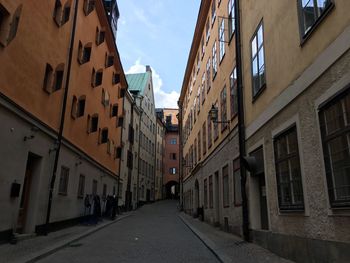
(214, 113)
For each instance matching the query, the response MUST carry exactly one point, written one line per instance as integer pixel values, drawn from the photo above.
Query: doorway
(26, 213)
(259, 188)
(217, 199)
(196, 197)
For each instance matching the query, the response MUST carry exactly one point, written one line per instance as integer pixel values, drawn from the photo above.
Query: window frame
(255, 34)
(304, 36)
(292, 206)
(225, 195)
(63, 183)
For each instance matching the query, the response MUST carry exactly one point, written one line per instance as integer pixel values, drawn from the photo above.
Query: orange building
(61, 104)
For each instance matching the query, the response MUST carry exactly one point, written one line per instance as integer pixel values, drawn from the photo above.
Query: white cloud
(163, 99)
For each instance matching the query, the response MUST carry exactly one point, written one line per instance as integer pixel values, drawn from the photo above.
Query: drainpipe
(241, 125)
(63, 114)
(138, 166)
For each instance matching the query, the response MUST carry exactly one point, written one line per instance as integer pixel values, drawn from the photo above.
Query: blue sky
(157, 33)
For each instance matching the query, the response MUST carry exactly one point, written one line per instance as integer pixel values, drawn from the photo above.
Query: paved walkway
(30, 250)
(227, 247)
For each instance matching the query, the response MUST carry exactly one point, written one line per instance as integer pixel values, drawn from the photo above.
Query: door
(217, 199)
(23, 208)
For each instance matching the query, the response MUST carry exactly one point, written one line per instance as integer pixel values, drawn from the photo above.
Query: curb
(53, 249)
(206, 241)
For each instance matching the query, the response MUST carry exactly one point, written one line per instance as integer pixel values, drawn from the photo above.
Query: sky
(157, 33)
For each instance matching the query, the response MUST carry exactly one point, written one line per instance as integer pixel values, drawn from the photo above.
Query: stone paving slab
(33, 249)
(228, 247)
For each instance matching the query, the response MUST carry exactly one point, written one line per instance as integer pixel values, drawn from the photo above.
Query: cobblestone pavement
(153, 233)
(230, 248)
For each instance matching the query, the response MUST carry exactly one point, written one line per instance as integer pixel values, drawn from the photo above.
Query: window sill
(292, 212)
(257, 95)
(304, 38)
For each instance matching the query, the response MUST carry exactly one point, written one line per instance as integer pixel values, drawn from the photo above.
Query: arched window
(96, 79)
(105, 98)
(47, 85)
(57, 12)
(92, 123)
(58, 80)
(89, 6)
(109, 60)
(14, 24)
(100, 36)
(103, 135)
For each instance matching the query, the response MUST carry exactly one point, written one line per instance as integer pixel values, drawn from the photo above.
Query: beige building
(210, 174)
(60, 111)
(296, 77)
(141, 87)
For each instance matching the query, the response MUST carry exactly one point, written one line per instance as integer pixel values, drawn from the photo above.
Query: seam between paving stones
(66, 243)
(206, 241)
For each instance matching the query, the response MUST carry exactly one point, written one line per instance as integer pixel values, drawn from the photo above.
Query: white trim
(329, 56)
(327, 95)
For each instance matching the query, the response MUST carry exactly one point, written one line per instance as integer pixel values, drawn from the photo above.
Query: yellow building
(296, 78)
(61, 106)
(210, 164)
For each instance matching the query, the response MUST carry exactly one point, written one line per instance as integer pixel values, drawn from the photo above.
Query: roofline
(197, 37)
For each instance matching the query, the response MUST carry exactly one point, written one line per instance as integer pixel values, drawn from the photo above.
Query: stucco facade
(37, 69)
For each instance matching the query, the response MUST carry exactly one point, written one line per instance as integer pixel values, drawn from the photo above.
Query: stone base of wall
(300, 249)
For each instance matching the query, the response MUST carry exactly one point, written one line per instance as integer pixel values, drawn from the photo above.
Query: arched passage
(171, 190)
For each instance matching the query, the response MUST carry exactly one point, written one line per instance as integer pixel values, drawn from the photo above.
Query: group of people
(94, 210)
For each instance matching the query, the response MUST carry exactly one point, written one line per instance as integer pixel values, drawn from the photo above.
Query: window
(289, 184)
(211, 191)
(173, 141)
(81, 186)
(231, 17)
(222, 39)
(225, 187)
(173, 156)
(109, 60)
(204, 137)
(4, 16)
(214, 60)
(57, 13)
(205, 193)
(81, 106)
(66, 13)
(203, 88)
(120, 122)
(97, 77)
(47, 85)
(118, 152)
(93, 123)
(213, 11)
(89, 6)
(223, 111)
(335, 133)
(208, 83)
(104, 135)
(58, 78)
(105, 98)
(100, 36)
(114, 110)
(74, 107)
(84, 52)
(94, 187)
(104, 191)
(209, 131)
(199, 145)
(14, 24)
(310, 13)
(122, 93)
(216, 125)
(129, 160)
(64, 178)
(203, 47)
(237, 183)
(233, 93)
(116, 78)
(172, 170)
(207, 29)
(258, 61)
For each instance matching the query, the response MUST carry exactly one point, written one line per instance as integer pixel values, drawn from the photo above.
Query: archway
(172, 190)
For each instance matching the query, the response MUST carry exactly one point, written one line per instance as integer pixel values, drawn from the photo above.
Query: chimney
(148, 69)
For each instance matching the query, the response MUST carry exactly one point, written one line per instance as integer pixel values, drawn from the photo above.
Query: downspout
(138, 165)
(241, 125)
(63, 114)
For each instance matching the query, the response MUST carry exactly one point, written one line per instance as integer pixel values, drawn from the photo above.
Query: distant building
(141, 87)
(61, 136)
(160, 145)
(171, 159)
